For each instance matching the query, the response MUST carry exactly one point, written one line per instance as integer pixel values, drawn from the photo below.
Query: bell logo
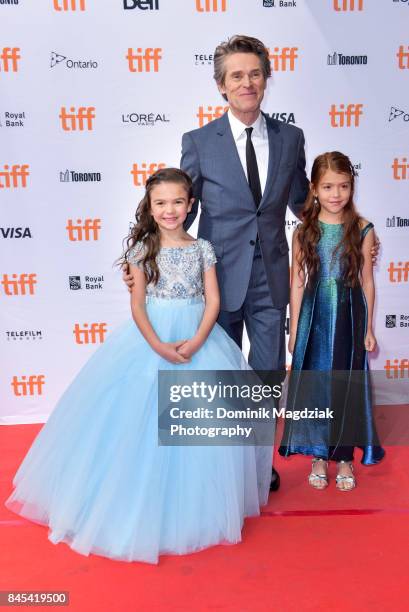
(69, 5)
(9, 59)
(349, 117)
(400, 169)
(403, 58)
(22, 284)
(284, 59)
(16, 177)
(90, 334)
(348, 5)
(33, 386)
(144, 61)
(77, 121)
(399, 273)
(213, 112)
(205, 6)
(143, 171)
(397, 369)
(87, 230)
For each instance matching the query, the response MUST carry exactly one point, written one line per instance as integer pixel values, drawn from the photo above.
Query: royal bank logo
(15, 232)
(390, 321)
(142, 171)
(57, 58)
(398, 113)
(13, 120)
(340, 59)
(286, 117)
(145, 119)
(73, 176)
(143, 5)
(203, 59)
(279, 3)
(87, 282)
(396, 221)
(23, 334)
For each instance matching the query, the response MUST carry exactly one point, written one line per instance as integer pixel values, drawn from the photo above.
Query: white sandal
(345, 479)
(314, 479)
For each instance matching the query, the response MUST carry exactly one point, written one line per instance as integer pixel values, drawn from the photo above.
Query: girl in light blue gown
(95, 474)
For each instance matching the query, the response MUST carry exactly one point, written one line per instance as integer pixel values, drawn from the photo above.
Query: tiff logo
(284, 59)
(403, 58)
(213, 112)
(69, 5)
(397, 369)
(87, 230)
(348, 5)
(346, 118)
(205, 6)
(400, 169)
(33, 386)
(16, 177)
(22, 284)
(81, 120)
(399, 273)
(141, 172)
(9, 59)
(141, 60)
(90, 335)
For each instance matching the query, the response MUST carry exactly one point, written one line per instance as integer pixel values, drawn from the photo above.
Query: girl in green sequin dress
(331, 309)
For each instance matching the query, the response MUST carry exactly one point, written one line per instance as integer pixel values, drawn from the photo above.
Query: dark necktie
(252, 169)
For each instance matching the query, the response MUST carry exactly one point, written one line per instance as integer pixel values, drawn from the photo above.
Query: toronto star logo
(340, 59)
(57, 58)
(396, 113)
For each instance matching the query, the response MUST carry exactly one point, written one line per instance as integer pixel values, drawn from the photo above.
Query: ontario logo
(57, 58)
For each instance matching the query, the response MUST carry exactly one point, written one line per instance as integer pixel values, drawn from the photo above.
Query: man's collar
(237, 127)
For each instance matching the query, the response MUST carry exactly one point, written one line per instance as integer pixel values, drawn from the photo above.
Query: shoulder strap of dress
(366, 229)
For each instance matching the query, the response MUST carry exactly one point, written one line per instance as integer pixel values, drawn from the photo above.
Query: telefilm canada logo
(279, 3)
(23, 334)
(12, 119)
(398, 113)
(393, 320)
(74, 176)
(87, 282)
(203, 59)
(57, 58)
(145, 119)
(340, 59)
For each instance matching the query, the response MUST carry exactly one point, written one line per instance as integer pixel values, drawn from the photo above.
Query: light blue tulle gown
(96, 475)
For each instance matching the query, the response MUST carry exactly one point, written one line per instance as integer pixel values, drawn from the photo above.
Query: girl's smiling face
(333, 191)
(169, 205)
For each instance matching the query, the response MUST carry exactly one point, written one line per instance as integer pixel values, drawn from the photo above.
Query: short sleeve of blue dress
(136, 254)
(366, 229)
(208, 254)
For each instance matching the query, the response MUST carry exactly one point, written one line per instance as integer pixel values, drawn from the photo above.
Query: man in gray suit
(246, 169)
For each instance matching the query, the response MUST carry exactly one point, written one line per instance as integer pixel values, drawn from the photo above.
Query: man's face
(244, 83)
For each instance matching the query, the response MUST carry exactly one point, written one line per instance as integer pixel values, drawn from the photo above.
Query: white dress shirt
(259, 139)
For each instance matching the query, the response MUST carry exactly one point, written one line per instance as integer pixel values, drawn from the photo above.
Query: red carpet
(310, 550)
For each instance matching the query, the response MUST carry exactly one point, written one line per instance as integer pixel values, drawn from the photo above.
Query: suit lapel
(230, 154)
(275, 145)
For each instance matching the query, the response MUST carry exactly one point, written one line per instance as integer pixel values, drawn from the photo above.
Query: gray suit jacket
(229, 218)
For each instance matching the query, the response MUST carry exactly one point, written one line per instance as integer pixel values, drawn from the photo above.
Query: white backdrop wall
(94, 92)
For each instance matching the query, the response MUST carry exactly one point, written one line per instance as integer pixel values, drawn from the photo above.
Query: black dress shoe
(275, 480)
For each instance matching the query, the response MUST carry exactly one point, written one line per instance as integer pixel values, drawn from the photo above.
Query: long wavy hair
(309, 232)
(145, 229)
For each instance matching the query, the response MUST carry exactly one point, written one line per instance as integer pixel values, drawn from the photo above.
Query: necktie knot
(248, 132)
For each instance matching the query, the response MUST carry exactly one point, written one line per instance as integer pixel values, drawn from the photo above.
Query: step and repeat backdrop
(95, 96)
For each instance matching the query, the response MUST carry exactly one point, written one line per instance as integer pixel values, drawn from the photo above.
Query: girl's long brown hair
(309, 232)
(146, 230)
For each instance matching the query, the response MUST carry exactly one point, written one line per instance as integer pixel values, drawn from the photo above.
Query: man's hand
(189, 348)
(375, 250)
(127, 277)
(169, 351)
